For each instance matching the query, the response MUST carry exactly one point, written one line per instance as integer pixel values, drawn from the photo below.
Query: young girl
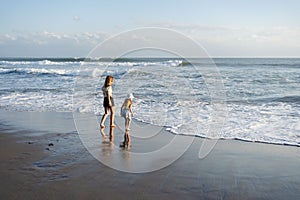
(126, 112)
(108, 102)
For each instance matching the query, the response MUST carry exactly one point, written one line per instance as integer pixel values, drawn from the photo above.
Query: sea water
(261, 100)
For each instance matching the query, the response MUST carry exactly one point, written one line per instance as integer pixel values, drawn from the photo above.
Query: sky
(225, 28)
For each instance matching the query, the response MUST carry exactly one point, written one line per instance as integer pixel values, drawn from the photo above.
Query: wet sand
(43, 157)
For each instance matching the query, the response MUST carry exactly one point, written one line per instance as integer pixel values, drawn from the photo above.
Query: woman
(108, 102)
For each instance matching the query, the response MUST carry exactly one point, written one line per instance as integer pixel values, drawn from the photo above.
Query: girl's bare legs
(104, 117)
(129, 120)
(127, 124)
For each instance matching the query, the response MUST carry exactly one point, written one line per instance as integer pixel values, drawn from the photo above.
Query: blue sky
(231, 28)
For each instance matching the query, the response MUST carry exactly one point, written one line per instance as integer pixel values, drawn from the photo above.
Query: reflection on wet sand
(108, 150)
(111, 133)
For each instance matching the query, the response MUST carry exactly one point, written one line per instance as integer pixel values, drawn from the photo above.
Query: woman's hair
(108, 80)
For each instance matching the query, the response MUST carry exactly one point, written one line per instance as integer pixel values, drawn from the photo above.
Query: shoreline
(48, 160)
(71, 127)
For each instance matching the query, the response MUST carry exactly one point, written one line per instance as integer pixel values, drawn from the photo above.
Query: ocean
(260, 97)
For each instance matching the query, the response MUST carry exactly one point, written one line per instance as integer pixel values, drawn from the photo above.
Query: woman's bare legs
(112, 116)
(104, 117)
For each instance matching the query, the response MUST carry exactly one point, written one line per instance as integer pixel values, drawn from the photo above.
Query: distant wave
(34, 63)
(289, 99)
(41, 59)
(20, 60)
(38, 72)
(69, 61)
(258, 62)
(286, 99)
(291, 62)
(31, 90)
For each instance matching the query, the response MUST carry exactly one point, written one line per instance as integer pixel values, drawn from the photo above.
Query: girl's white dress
(125, 110)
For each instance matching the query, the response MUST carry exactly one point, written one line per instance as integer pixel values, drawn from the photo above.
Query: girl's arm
(130, 108)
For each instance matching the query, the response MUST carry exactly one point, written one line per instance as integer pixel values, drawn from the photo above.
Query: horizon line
(141, 57)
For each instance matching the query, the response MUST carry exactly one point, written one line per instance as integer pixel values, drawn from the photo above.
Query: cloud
(76, 18)
(256, 34)
(51, 35)
(46, 43)
(217, 40)
(244, 41)
(255, 42)
(196, 27)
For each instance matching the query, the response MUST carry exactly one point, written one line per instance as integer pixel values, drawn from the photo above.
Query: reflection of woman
(108, 102)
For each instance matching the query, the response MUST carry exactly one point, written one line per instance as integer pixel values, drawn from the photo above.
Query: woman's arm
(109, 92)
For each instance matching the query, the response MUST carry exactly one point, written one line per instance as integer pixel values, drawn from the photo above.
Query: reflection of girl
(108, 102)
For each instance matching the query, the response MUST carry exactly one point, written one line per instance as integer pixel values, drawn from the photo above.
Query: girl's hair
(130, 96)
(108, 80)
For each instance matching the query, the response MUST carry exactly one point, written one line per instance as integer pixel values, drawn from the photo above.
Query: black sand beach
(42, 157)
